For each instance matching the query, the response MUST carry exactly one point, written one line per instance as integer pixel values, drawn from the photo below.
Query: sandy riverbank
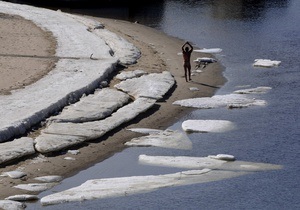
(159, 53)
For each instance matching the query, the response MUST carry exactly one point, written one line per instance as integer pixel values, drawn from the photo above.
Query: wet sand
(27, 56)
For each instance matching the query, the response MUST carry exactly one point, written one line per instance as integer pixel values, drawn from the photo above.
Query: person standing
(187, 50)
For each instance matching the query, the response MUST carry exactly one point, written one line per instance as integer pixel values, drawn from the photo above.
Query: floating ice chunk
(35, 187)
(210, 50)
(256, 90)
(48, 179)
(266, 63)
(181, 161)
(22, 197)
(217, 101)
(14, 174)
(12, 205)
(205, 60)
(166, 139)
(130, 74)
(149, 86)
(125, 186)
(145, 130)
(223, 157)
(205, 126)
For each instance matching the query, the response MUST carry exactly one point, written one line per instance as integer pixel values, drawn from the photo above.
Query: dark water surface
(245, 30)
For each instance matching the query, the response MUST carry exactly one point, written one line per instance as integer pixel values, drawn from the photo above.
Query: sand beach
(27, 54)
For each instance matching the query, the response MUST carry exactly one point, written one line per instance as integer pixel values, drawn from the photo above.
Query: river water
(245, 30)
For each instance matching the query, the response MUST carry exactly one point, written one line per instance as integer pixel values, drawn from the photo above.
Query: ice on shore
(93, 107)
(58, 136)
(53, 178)
(214, 162)
(126, 186)
(14, 174)
(219, 101)
(266, 63)
(15, 149)
(165, 139)
(12, 205)
(152, 86)
(206, 126)
(35, 187)
(74, 75)
(130, 74)
(145, 130)
(22, 197)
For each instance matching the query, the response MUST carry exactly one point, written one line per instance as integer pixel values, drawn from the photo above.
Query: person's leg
(185, 72)
(189, 70)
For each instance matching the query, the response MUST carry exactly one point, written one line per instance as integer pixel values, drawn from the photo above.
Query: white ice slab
(181, 161)
(22, 197)
(257, 90)
(209, 50)
(58, 136)
(145, 130)
(14, 174)
(154, 85)
(205, 60)
(16, 149)
(35, 187)
(125, 51)
(130, 74)
(53, 178)
(266, 63)
(12, 205)
(218, 101)
(126, 186)
(165, 139)
(207, 126)
(213, 162)
(93, 107)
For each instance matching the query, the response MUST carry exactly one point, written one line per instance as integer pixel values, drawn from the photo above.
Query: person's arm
(190, 46)
(183, 47)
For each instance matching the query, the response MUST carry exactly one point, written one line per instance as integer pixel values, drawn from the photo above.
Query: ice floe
(257, 90)
(16, 149)
(93, 107)
(35, 187)
(53, 178)
(165, 139)
(218, 101)
(130, 74)
(206, 126)
(12, 205)
(14, 174)
(266, 63)
(209, 50)
(58, 136)
(213, 162)
(72, 76)
(126, 186)
(149, 86)
(145, 130)
(22, 197)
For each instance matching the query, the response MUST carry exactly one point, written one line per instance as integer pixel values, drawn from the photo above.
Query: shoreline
(159, 52)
